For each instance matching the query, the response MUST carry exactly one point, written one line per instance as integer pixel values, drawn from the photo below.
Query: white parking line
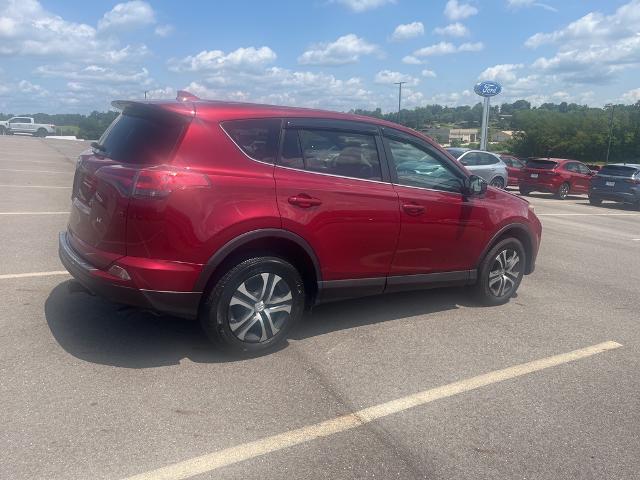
(588, 214)
(239, 453)
(34, 171)
(35, 161)
(31, 186)
(8, 276)
(34, 213)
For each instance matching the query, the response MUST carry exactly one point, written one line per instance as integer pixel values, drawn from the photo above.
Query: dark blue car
(617, 182)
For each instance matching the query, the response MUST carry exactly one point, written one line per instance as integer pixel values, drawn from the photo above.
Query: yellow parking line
(239, 453)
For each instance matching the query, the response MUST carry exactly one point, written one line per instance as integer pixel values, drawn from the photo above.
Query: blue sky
(77, 56)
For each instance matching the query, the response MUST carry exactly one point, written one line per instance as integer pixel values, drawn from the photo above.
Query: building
(503, 136)
(450, 135)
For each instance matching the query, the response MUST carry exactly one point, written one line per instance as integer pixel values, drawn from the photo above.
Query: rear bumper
(547, 187)
(102, 283)
(623, 197)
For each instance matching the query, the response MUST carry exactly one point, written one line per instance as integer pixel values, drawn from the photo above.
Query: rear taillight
(159, 182)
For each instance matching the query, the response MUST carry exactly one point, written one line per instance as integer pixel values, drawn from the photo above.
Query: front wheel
(501, 272)
(497, 182)
(595, 201)
(253, 306)
(3, 131)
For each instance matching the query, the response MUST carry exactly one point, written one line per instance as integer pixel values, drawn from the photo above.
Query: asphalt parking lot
(412, 385)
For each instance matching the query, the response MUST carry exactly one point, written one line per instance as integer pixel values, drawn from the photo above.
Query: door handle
(304, 201)
(413, 209)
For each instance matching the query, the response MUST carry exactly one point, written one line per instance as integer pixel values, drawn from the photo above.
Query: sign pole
(486, 90)
(485, 124)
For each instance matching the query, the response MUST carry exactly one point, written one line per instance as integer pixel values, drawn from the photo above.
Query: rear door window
(340, 153)
(257, 138)
(138, 139)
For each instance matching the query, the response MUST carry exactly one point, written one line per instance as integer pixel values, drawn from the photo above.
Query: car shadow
(95, 330)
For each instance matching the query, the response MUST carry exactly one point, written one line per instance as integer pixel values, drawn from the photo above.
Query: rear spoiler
(182, 109)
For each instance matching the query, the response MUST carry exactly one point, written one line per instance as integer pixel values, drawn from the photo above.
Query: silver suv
(484, 164)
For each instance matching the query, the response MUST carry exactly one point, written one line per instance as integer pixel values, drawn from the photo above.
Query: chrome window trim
(333, 175)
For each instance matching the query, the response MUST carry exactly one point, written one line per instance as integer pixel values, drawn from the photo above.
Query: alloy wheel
(497, 182)
(564, 191)
(260, 307)
(504, 272)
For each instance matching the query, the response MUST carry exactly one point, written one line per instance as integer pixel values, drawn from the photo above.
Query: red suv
(242, 215)
(555, 175)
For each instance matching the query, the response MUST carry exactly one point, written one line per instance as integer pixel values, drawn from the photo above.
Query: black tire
(40, 133)
(497, 182)
(595, 200)
(524, 190)
(3, 131)
(216, 315)
(563, 191)
(485, 288)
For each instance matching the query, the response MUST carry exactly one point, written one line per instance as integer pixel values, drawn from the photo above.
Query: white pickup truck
(26, 125)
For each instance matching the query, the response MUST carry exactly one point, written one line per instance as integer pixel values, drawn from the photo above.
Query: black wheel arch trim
(523, 228)
(228, 248)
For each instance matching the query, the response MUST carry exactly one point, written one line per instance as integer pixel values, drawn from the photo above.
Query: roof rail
(183, 96)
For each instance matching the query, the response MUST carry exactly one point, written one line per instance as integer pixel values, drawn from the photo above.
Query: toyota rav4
(243, 215)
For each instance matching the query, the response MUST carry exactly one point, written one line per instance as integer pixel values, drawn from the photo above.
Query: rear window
(141, 139)
(258, 138)
(542, 164)
(618, 171)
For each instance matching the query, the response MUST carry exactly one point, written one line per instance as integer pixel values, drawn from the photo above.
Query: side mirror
(474, 186)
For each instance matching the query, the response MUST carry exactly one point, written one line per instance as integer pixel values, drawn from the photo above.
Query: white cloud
(346, 49)
(594, 48)
(94, 74)
(446, 48)
(164, 30)
(359, 6)
(387, 77)
(515, 4)
(26, 86)
(453, 30)
(505, 72)
(209, 60)
(632, 96)
(407, 30)
(454, 10)
(411, 60)
(128, 15)
(428, 73)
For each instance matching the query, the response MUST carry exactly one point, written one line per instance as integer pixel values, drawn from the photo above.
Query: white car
(26, 125)
(484, 164)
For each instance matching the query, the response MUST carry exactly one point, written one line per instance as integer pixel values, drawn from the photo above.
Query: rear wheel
(497, 182)
(563, 191)
(524, 190)
(501, 272)
(254, 305)
(41, 133)
(595, 200)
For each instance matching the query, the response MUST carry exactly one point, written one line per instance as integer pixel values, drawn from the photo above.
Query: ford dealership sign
(487, 89)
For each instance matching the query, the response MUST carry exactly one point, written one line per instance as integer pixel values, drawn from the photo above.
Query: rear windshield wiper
(99, 147)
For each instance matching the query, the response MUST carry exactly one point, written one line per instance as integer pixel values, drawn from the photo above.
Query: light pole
(612, 107)
(399, 97)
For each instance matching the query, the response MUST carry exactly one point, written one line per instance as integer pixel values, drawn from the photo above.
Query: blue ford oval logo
(487, 89)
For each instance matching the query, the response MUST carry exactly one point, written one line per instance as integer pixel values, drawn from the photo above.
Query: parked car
(514, 168)
(555, 175)
(484, 164)
(26, 125)
(242, 215)
(617, 182)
